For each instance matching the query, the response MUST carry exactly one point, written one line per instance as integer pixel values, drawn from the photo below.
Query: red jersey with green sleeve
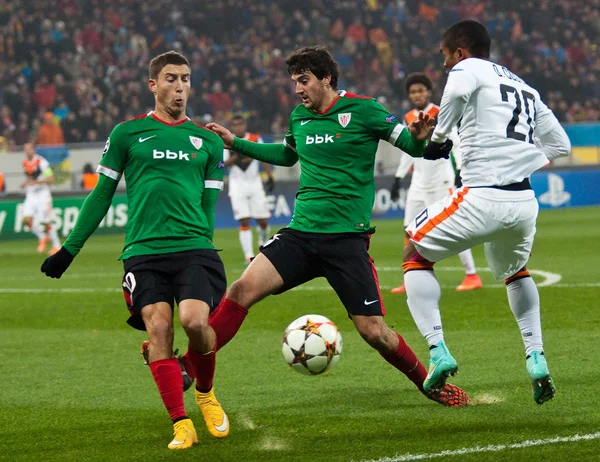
(167, 168)
(336, 149)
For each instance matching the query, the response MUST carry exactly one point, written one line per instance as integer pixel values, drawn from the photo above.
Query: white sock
(38, 231)
(467, 261)
(424, 292)
(54, 237)
(263, 235)
(524, 301)
(246, 241)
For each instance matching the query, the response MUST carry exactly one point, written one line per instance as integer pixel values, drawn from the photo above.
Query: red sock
(226, 321)
(169, 381)
(405, 360)
(203, 368)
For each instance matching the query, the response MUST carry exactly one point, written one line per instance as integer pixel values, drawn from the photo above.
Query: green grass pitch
(73, 386)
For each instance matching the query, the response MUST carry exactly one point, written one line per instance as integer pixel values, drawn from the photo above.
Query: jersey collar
(151, 113)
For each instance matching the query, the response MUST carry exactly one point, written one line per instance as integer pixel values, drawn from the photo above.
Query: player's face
(451, 59)
(311, 89)
(419, 95)
(238, 128)
(29, 150)
(172, 88)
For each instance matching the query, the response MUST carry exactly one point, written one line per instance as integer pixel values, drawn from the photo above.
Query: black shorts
(193, 274)
(343, 259)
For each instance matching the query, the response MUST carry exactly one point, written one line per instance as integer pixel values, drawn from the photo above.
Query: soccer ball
(312, 344)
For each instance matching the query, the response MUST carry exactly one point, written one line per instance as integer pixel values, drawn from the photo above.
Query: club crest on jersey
(196, 142)
(344, 119)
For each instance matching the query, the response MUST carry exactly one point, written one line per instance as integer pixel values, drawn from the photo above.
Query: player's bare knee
(194, 323)
(28, 221)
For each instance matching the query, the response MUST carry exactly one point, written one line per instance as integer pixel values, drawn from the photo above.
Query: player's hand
(395, 189)
(435, 151)
(221, 131)
(269, 185)
(55, 265)
(422, 126)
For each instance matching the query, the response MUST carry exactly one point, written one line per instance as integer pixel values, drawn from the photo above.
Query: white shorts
(503, 220)
(253, 204)
(418, 200)
(38, 207)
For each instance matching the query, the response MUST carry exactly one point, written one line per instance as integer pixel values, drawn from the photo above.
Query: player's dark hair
(160, 61)
(237, 117)
(471, 36)
(315, 59)
(415, 78)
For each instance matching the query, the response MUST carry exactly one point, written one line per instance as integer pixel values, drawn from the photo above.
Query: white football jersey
(37, 168)
(244, 176)
(428, 175)
(500, 121)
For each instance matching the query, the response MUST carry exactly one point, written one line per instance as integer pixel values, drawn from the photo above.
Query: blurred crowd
(71, 69)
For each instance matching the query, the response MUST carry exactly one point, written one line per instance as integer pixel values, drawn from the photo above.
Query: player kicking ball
(506, 134)
(174, 173)
(334, 135)
(431, 180)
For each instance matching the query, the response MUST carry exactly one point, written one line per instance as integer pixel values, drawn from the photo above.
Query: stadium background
(72, 69)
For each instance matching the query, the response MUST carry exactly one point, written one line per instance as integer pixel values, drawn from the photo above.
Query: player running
(431, 180)
(174, 172)
(334, 135)
(246, 190)
(506, 134)
(37, 209)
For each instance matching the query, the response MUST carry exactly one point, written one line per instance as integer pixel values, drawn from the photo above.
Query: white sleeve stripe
(213, 184)
(109, 172)
(395, 134)
(288, 145)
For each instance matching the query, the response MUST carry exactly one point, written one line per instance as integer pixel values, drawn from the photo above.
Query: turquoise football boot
(543, 386)
(441, 366)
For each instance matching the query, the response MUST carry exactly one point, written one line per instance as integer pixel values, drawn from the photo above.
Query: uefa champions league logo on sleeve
(556, 194)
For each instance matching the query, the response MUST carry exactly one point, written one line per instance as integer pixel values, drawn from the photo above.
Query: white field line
(490, 448)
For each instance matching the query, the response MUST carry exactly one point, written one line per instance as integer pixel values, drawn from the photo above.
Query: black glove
(395, 189)
(435, 151)
(269, 185)
(55, 265)
(457, 180)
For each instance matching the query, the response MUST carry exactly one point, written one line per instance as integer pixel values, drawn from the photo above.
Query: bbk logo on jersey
(319, 139)
(170, 155)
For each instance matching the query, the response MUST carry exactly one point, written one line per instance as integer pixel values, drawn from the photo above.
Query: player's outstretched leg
(424, 292)
(187, 380)
(524, 301)
(392, 347)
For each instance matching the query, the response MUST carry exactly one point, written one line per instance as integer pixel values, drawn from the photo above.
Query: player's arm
(385, 126)
(94, 207)
(406, 162)
(283, 155)
(460, 86)
(272, 153)
(47, 174)
(549, 136)
(213, 184)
